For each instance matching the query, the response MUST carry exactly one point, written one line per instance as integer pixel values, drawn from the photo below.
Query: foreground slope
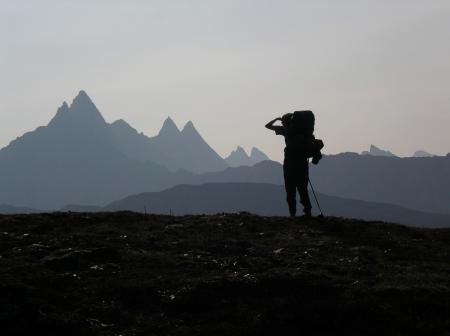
(239, 274)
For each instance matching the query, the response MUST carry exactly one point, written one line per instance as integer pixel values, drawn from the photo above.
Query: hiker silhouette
(297, 129)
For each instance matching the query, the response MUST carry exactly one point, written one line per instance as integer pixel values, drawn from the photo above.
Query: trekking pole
(315, 197)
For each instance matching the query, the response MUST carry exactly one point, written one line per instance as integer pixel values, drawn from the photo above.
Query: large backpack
(302, 124)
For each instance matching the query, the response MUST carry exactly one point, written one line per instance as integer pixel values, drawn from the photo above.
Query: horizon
(373, 73)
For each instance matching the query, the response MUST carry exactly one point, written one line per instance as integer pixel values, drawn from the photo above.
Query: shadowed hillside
(416, 183)
(419, 183)
(264, 199)
(130, 274)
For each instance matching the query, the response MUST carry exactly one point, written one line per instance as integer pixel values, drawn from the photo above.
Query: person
(295, 165)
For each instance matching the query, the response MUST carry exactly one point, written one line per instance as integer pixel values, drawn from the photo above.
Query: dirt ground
(228, 274)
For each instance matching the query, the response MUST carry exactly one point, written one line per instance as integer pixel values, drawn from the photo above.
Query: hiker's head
(286, 119)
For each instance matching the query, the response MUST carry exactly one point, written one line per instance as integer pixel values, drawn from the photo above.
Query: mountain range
(239, 157)
(171, 148)
(375, 151)
(79, 158)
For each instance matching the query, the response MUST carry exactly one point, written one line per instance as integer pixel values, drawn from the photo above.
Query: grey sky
(372, 71)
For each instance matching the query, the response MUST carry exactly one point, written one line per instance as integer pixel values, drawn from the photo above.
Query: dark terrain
(231, 274)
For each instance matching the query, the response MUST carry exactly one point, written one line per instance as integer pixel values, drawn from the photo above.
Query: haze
(372, 71)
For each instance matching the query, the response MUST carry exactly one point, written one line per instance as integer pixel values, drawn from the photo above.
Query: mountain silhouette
(257, 155)
(375, 151)
(265, 199)
(421, 153)
(239, 157)
(171, 148)
(74, 160)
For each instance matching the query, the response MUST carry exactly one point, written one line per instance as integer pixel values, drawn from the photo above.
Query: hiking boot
(307, 214)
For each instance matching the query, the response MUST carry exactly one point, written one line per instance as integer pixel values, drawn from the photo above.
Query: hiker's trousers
(296, 176)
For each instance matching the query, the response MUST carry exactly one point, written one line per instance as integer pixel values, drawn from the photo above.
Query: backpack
(303, 122)
(307, 145)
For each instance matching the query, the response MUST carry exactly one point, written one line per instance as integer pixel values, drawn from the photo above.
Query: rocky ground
(131, 274)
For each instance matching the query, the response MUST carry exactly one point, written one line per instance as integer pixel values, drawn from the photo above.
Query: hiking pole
(315, 197)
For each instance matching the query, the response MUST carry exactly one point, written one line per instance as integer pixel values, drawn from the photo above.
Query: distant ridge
(265, 199)
(239, 157)
(421, 153)
(375, 151)
(6, 209)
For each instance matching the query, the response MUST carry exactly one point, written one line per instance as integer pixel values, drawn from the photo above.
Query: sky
(373, 72)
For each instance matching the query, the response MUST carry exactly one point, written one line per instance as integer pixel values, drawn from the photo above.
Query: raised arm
(270, 125)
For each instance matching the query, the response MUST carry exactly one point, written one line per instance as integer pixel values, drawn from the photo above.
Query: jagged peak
(189, 129)
(61, 112)
(169, 127)
(83, 105)
(240, 149)
(376, 151)
(258, 155)
(189, 126)
(82, 97)
(82, 110)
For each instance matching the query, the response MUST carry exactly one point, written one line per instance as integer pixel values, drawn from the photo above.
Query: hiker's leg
(289, 185)
(302, 187)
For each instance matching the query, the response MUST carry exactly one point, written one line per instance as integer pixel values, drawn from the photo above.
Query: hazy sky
(373, 71)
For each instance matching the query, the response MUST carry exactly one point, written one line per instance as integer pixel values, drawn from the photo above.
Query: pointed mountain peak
(238, 158)
(61, 113)
(82, 95)
(82, 98)
(189, 126)
(82, 111)
(169, 127)
(189, 129)
(83, 106)
(376, 151)
(240, 150)
(257, 155)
